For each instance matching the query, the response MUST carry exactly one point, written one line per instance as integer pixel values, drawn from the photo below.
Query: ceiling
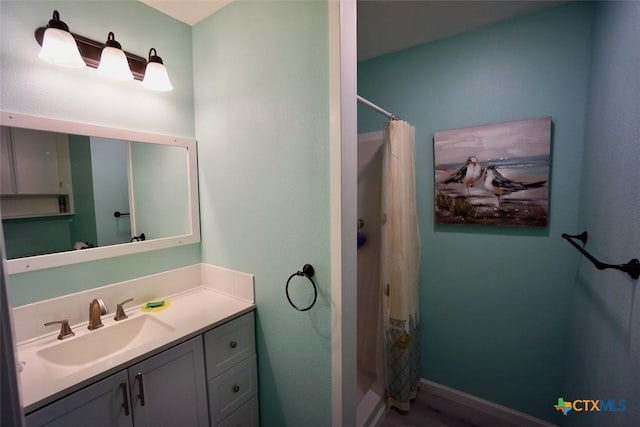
(386, 26)
(392, 25)
(188, 11)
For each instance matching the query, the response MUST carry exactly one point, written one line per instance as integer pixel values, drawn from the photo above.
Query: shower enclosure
(370, 345)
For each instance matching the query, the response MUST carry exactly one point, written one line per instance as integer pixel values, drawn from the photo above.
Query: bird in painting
(500, 185)
(467, 174)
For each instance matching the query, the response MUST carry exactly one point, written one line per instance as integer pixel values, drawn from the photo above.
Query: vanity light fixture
(91, 54)
(155, 75)
(58, 45)
(113, 61)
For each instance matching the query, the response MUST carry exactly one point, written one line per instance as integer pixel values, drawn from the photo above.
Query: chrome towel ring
(307, 271)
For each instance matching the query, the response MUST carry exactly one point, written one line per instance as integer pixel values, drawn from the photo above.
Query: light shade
(58, 45)
(155, 75)
(113, 61)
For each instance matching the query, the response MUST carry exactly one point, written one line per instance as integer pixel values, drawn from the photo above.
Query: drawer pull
(236, 388)
(125, 399)
(233, 344)
(141, 387)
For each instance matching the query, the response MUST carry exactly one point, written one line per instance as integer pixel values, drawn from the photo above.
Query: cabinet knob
(236, 388)
(233, 344)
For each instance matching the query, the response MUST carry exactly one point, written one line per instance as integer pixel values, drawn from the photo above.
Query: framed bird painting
(495, 174)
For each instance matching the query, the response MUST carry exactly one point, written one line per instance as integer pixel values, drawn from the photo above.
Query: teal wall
(83, 225)
(154, 165)
(603, 357)
(33, 236)
(262, 123)
(261, 78)
(49, 283)
(31, 86)
(109, 159)
(495, 301)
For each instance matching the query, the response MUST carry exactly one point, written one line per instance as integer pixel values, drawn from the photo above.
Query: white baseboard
(370, 410)
(475, 410)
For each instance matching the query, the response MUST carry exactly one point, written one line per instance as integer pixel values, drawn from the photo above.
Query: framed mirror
(75, 192)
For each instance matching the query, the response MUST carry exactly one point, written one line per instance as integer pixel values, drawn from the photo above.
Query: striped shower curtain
(400, 264)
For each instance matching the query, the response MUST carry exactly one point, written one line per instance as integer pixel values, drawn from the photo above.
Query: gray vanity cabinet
(209, 378)
(98, 405)
(170, 388)
(232, 373)
(166, 389)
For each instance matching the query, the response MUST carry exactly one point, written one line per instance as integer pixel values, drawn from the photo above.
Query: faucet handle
(120, 314)
(65, 329)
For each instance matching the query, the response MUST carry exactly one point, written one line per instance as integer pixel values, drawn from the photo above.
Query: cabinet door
(35, 155)
(100, 404)
(169, 389)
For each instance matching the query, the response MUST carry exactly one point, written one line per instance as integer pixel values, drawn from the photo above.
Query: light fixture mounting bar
(90, 51)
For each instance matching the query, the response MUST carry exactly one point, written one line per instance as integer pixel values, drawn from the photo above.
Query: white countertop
(189, 314)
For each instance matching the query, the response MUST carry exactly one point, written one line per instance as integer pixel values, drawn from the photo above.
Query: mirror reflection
(160, 190)
(61, 192)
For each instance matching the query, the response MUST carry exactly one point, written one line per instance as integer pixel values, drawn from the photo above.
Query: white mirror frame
(20, 265)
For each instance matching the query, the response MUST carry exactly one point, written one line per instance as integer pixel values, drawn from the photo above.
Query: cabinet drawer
(230, 390)
(228, 344)
(245, 416)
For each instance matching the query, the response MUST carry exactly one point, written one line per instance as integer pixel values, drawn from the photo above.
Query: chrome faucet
(97, 307)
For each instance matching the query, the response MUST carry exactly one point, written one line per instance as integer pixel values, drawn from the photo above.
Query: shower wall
(487, 329)
(370, 375)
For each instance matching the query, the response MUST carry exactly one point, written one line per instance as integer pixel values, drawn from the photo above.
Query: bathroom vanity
(192, 363)
(166, 388)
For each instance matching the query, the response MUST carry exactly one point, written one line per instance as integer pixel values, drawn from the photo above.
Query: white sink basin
(93, 346)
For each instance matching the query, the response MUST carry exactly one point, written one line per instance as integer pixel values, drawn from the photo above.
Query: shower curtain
(400, 264)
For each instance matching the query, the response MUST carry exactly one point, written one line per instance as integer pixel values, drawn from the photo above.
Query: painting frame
(494, 174)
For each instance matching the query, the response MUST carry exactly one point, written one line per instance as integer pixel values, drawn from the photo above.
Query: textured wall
(603, 360)
(494, 301)
(262, 122)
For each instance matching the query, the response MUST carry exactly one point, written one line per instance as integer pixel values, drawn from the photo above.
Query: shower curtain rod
(376, 108)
